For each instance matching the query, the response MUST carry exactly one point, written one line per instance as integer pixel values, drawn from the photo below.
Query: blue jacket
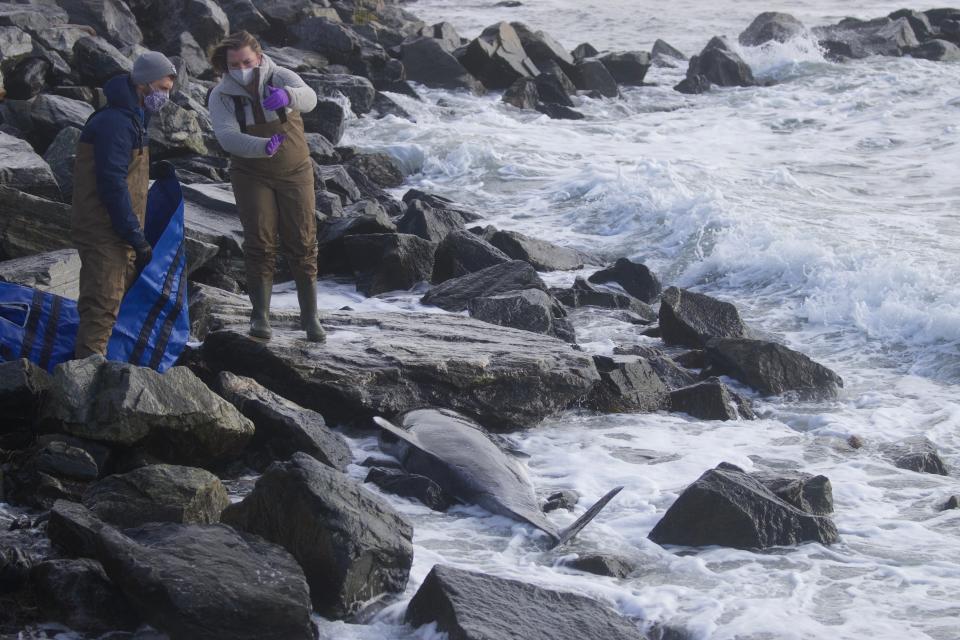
(117, 131)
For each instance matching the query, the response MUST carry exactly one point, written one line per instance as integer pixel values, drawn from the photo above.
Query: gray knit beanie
(150, 67)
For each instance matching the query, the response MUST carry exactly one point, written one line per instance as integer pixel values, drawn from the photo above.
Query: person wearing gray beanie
(110, 180)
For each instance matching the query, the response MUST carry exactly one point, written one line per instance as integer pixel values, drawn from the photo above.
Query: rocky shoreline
(131, 510)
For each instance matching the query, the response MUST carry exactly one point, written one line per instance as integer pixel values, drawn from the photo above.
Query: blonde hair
(233, 42)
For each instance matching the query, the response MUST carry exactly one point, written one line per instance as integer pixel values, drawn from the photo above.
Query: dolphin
(461, 458)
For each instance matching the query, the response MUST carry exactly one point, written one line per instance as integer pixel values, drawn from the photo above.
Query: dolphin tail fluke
(570, 532)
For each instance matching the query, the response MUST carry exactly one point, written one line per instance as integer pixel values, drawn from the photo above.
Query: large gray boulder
(729, 508)
(592, 75)
(55, 271)
(543, 255)
(73, 530)
(352, 545)
(690, 319)
(627, 67)
(283, 427)
(530, 309)
(158, 493)
(853, 38)
(938, 50)
(23, 170)
(30, 224)
(771, 26)
(208, 581)
(467, 605)
(173, 415)
(462, 252)
(771, 368)
(717, 64)
(357, 89)
(387, 364)
(176, 131)
(112, 19)
(807, 492)
(61, 156)
(497, 58)
(328, 118)
(23, 387)
(915, 453)
(51, 113)
(78, 594)
(427, 61)
(711, 400)
(389, 261)
(96, 60)
(430, 224)
(583, 294)
(627, 384)
(455, 294)
(636, 279)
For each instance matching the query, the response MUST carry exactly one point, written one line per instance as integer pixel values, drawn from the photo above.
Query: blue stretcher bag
(152, 325)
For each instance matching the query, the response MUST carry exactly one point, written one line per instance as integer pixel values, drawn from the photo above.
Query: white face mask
(243, 76)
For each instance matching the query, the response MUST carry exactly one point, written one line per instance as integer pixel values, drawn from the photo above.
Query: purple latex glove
(277, 99)
(274, 143)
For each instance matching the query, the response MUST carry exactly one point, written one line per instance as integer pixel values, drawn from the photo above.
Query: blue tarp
(152, 325)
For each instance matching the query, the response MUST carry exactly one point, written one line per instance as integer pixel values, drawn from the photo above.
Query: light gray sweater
(225, 125)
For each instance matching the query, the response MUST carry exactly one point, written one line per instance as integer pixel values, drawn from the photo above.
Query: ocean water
(827, 207)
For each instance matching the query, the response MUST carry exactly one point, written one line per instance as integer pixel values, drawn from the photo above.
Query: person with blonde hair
(255, 110)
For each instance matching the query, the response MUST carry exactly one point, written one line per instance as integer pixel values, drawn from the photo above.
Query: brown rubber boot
(259, 290)
(309, 322)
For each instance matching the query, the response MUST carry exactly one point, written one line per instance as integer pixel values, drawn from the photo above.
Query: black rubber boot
(309, 322)
(259, 291)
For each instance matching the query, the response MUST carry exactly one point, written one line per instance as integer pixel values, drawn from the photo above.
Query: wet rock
(584, 50)
(543, 255)
(939, 50)
(522, 94)
(73, 529)
(379, 167)
(690, 319)
(389, 261)
(336, 179)
(96, 61)
(771, 26)
(352, 546)
(15, 47)
(676, 377)
(23, 170)
(27, 79)
(208, 581)
(627, 385)
(583, 294)
(439, 202)
(321, 149)
(497, 58)
(386, 364)
(529, 309)
(475, 606)
(602, 564)
(813, 494)
(636, 279)
(50, 113)
(953, 502)
(771, 369)
(455, 294)
(328, 119)
(462, 252)
(175, 131)
(916, 453)
(172, 415)
(413, 486)
(111, 18)
(627, 67)
(555, 88)
(566, 499)
(15, 566)
(358, 90)
(542, 48)
(718, 64)
(332, 235)
(334, 41)
(158, 493)
(559, 112)
(23, 387)
(78, 594)
(852, 38)
(283, 427)
(855, 442)
(711, 400)
(372, 191)
(47, 472)
(427, 61)
(919, 22)
(592, 75)
(61, 155)
(430, 224)
(729, 508)
(663, 49)
(693, 84)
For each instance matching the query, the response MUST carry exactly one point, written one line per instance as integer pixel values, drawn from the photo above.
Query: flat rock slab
(56, 272)
(208, 581)
(475, 606)
(390, 363)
